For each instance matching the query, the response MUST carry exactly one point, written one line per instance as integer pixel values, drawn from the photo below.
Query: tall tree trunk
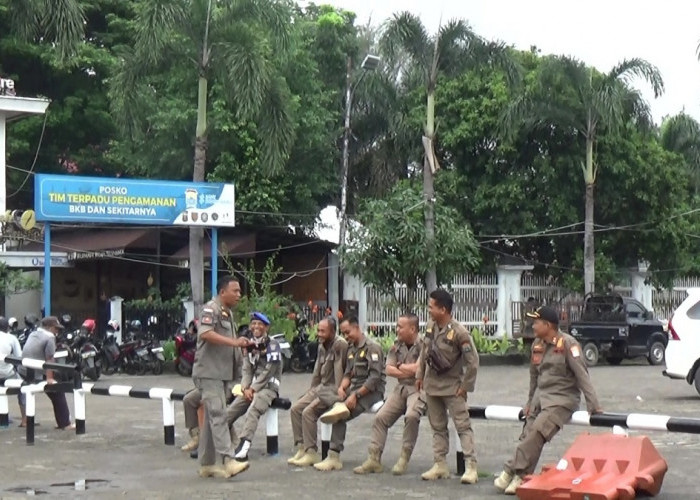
(588, 236)
(197, 233)
(429, 193)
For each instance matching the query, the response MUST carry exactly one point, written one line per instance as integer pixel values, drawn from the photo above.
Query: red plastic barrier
(599, 467)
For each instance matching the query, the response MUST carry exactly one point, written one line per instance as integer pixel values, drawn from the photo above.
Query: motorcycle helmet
(113, 324)
(13, 323)
(135, 324)
(89, 326)
(4, 324)
(31, 320)
(65, 319)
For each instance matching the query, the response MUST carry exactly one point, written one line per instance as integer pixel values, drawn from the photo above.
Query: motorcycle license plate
(60, 354)
(86, 355)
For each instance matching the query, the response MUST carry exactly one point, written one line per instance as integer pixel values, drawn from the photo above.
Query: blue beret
(260, 316)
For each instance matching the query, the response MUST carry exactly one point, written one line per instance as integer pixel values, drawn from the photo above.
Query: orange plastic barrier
(599, 467)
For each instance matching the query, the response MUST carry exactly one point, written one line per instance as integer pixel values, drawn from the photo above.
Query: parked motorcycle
(304, 351)
(86, 352)
(115, 357)
(185, 348)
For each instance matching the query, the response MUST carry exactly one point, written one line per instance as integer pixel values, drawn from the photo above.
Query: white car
(683, 349)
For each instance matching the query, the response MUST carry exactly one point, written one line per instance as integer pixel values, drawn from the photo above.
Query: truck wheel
(614, 361)
(656, 353)
(590, 354)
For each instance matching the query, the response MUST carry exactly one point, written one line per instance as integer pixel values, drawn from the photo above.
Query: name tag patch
(375, 356)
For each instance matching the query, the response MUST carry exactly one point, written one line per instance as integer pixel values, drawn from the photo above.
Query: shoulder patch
(575, 351)
(207, 319)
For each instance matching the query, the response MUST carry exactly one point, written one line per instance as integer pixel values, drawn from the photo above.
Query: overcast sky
(600, 32)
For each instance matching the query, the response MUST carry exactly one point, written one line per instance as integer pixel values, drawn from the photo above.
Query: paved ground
(124, 449)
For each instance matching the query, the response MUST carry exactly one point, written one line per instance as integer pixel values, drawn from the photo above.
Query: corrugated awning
(240, 245)
(95, 243)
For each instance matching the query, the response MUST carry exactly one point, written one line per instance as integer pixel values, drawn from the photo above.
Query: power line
(30, 172)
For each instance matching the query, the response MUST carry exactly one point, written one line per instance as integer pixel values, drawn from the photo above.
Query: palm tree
(597, 101)
(59, 22)
(453, 49)
(237, 42)
(681, 134)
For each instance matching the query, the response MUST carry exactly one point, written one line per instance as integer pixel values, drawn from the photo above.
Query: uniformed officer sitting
(362, 387)
(402, 364)
(262, 372)
(558, 375)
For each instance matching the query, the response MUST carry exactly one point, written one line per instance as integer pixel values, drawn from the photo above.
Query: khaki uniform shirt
(400, 354)
(211, 360)
(457, 346)
(558, 374)
(365, 367)
(263, 370)
(330, 364)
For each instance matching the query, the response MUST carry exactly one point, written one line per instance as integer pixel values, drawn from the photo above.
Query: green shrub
(502, 346)
(169, 350)
(263, 298)
(386, 341)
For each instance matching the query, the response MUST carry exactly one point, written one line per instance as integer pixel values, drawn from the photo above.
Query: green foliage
(388, 246)
(262, 297)
(154, 299)
(15, 281)
(169, 350)
(501, 347)
(386, 341)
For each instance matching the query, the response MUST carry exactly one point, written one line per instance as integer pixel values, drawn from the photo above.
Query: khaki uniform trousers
(438, 406)
(340, 428)
(540, 427)
(214, 438)
(191, 403)
(253, 411)
(306, 412)
(397, 404)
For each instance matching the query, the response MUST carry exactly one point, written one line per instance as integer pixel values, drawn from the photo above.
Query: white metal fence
(476, 299)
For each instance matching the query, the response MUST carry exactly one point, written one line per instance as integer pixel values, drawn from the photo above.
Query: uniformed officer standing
(362, 386)
(447, 370)
(213, 370)
(262, 374)
(558, 375)
(327, 376)
(401, 363)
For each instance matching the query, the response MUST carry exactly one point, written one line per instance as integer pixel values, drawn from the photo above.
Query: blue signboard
(68, 198)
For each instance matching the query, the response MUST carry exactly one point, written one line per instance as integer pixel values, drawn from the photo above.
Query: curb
(502, 359)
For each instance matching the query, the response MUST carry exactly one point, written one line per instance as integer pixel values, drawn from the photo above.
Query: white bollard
(4, 408)
(169, 421)
(272, 431)
(79, 406)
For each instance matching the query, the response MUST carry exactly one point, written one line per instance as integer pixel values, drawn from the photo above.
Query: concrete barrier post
(79, 404)
(272, 431)
(4, 408)
(326, 430)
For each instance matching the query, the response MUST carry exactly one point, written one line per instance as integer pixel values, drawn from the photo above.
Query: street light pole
(370, 63)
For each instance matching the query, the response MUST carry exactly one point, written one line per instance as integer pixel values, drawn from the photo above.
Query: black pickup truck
(618, 328)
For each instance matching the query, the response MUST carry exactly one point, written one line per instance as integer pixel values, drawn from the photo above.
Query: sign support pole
(214, 258)
(47, 269)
